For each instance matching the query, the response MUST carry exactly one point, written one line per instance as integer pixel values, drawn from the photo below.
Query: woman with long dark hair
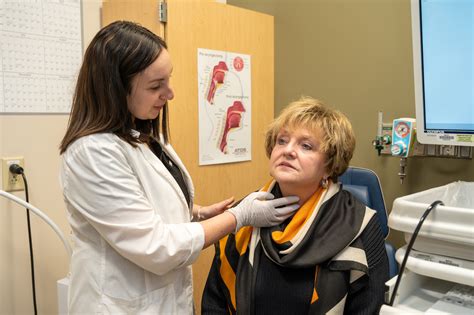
(128, 195)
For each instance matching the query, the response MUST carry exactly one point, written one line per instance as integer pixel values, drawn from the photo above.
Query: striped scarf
(323, 234)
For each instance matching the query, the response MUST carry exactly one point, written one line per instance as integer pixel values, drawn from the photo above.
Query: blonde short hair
(338, 140)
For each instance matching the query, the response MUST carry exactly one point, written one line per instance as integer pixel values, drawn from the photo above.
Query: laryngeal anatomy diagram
(224, 107)
(233, 121)
(217, 79)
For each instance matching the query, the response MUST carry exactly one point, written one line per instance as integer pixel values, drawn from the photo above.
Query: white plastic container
(438, 266)
(439, 272)
(418, 294)
(448, 230)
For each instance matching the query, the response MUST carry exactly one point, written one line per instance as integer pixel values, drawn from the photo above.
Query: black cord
(18, 170)
(410, 245)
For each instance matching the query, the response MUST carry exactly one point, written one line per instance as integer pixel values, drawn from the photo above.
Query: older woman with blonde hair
(329, 257)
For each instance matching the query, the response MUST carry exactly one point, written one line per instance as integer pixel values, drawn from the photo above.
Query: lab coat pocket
(149, 303)
(129, 289)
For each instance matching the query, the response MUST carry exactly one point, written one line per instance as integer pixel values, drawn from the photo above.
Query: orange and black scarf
(323, 235)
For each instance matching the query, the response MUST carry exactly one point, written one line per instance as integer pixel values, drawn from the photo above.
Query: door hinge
(163, 12)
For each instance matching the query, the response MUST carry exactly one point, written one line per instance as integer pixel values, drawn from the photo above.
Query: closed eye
(159, 83)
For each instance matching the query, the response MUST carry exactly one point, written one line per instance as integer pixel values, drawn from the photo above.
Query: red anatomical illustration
(233, 120)
(218, 75)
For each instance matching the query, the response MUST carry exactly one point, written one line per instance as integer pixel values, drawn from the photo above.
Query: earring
(324, 183)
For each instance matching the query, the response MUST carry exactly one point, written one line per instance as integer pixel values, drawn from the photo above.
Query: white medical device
(443, 41)
(439, 274)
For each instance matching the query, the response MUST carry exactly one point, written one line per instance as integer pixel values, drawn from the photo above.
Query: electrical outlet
(12, 182)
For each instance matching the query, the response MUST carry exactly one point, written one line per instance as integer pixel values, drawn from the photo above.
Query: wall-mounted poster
(225, 104)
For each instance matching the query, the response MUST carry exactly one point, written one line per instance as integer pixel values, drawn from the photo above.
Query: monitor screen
(443, 55)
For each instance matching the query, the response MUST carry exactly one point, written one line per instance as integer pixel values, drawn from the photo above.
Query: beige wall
(36, 138)
(355, 55)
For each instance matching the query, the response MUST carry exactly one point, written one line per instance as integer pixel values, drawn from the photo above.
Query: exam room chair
(364, 185)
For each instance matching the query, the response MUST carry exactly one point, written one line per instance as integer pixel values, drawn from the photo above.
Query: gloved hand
(259, 209)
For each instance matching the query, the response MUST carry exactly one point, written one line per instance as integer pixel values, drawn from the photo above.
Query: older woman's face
(296, 158)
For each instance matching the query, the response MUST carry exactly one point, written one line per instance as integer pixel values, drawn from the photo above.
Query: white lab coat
(133, 239)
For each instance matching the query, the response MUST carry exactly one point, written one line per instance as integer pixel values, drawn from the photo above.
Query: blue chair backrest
(364, 185)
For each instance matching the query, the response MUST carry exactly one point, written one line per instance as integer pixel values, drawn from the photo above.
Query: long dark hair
(116, 54)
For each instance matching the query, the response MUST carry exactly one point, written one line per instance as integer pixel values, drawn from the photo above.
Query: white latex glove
(259, 209)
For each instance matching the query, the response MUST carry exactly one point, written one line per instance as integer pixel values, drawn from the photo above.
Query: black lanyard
(172, 168)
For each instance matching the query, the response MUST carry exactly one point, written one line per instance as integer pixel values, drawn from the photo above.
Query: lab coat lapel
(161, 169)
(158, 166)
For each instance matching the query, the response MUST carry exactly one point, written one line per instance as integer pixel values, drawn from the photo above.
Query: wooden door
(145, 12)
(194, 24)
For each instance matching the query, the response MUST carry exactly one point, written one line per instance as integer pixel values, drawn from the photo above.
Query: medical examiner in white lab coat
(129, 198)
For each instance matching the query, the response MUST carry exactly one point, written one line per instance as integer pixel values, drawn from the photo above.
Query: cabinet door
(193, 24)
(203, 24)
(145, 12)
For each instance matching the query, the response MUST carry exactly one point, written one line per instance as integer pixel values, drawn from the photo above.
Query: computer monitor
(443, 62)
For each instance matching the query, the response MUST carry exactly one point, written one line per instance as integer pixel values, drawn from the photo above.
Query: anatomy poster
(224, 107)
